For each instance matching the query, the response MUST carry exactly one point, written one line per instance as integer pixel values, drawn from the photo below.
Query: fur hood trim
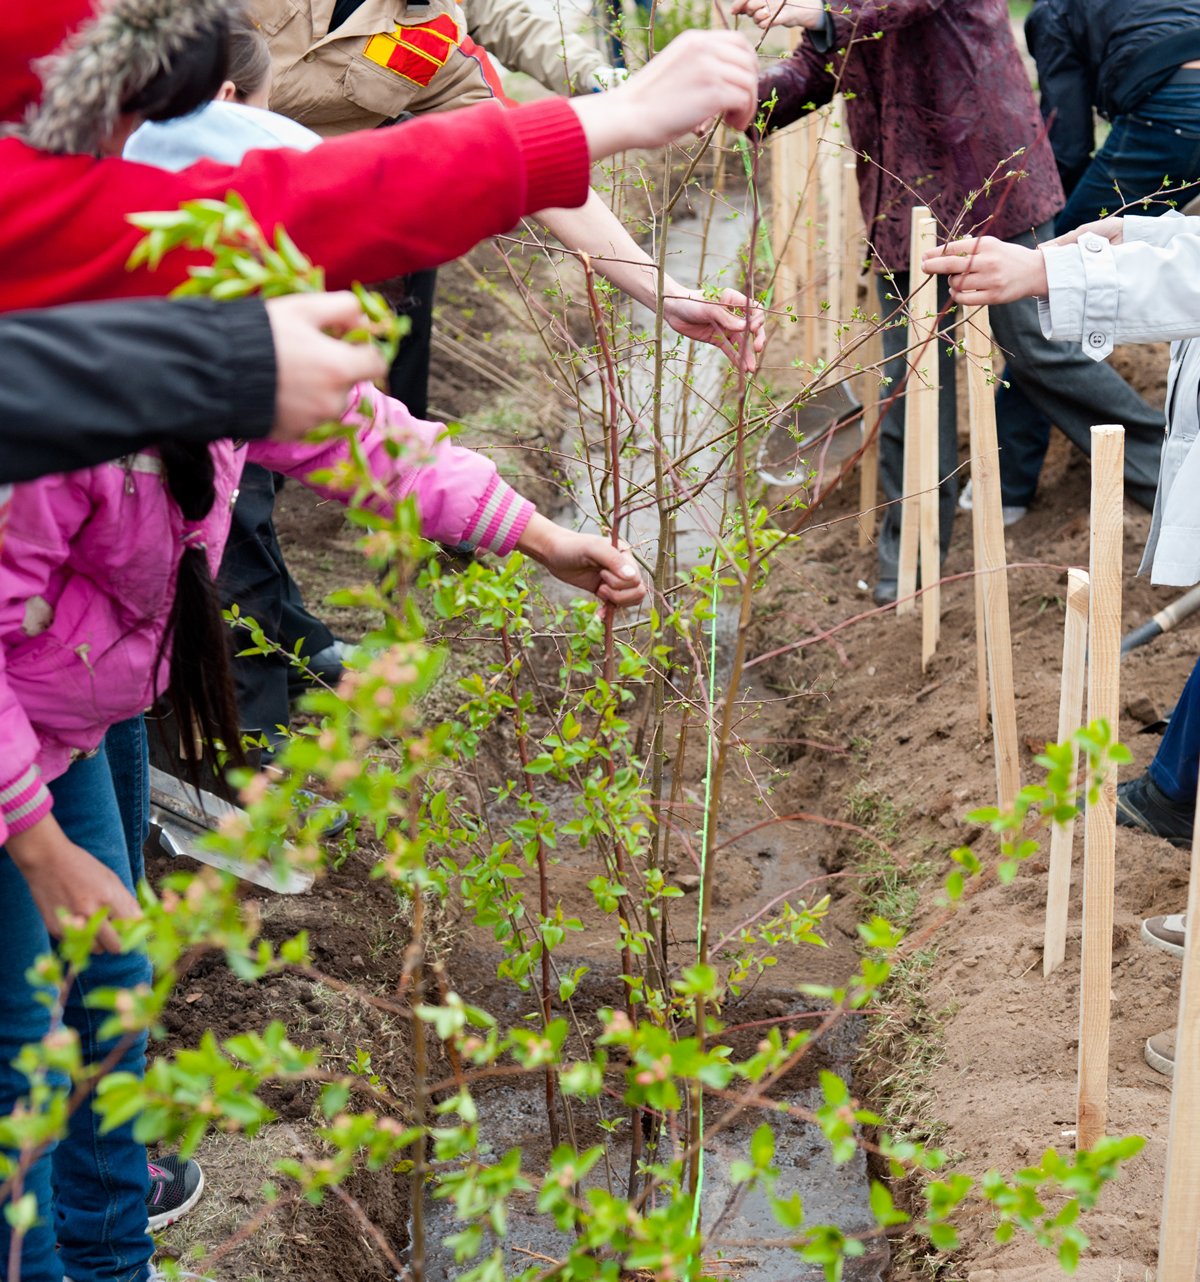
(106, 62)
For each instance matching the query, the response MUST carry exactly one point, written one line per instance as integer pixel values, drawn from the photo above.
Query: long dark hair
(200, 691)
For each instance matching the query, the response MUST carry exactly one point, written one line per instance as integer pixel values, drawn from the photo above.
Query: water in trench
(747, 1243)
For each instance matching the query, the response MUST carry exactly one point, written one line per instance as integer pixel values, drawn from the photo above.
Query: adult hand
(716, 321)
(315, 373)
(984, 271)
(1112, 229)
(782, 13)
(585, 561)
(69, 885)
(699, 75)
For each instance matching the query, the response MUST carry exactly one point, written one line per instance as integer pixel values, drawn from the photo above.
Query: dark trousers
(408, 379)
(255, 577)
(1177, 762)
(1161, 139)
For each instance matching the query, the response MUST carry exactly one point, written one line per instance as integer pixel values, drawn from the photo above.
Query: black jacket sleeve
(91, 382)
(1067, 86)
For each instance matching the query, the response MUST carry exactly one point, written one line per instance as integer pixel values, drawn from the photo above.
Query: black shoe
(1141, 803)
(885, 592)
(326, 667)
(175, 1187)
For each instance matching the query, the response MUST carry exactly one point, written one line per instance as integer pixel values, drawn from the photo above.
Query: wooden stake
(868, 465)
(909, 498)
(789, 175)
(1179, 1241)
(990, 555)
(835, 246)
(785, 194)
(1070, 718)
(1100, 824)
(805, 246)
(918, 521)
(854, 247)
(925, 240)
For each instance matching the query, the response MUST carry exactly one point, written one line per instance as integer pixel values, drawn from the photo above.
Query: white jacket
(1146, 290)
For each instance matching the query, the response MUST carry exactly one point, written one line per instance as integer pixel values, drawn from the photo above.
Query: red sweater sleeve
(366, 206)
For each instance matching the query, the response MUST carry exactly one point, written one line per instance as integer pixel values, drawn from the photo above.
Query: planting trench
(983, 1054)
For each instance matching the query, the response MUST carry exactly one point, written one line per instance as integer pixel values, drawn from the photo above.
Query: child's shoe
(175, 1187)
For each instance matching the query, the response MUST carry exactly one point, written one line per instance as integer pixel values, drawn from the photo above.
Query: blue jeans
(1160, 139)
(91, 1188)
(1176, 764)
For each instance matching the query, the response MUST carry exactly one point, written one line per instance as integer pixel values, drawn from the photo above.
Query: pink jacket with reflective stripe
(88, 569)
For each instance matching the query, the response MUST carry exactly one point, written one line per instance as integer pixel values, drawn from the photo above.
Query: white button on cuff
(1093, 244)
(1097, 339)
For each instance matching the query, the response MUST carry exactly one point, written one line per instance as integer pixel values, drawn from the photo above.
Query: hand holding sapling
(985, 271)
(585, 561)
(66, 882)
(782, 13)
(716, 321)
(699, 75)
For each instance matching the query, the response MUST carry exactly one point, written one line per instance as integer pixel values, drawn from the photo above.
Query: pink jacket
(88, 568)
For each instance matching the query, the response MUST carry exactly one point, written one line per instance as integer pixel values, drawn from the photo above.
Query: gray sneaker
(1141, 803)
(1168, 933)
(1160, 1053)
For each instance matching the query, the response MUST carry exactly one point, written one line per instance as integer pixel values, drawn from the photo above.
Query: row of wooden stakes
(1091, 649)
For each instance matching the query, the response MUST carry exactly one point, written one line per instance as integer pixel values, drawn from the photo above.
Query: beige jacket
(393, 56)
(524, 40)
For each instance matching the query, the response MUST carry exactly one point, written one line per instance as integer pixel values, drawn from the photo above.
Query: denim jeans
(91, 1189)
(1161, 139)
(1176, 764)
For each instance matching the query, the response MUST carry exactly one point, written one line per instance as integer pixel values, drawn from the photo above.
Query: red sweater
(366, 206)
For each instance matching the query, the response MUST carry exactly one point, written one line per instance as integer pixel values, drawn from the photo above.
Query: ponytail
(201, 692)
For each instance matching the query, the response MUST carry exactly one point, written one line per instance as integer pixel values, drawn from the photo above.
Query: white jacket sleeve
(1146, 290)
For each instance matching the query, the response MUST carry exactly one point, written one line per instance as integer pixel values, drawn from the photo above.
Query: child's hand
(585, 561)
(985, 271)
(782, 13)
(699, 75)
(689, 313)
(1112, 229)
(65, 880)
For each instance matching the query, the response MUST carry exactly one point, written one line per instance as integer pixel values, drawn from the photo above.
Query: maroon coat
(936, 98)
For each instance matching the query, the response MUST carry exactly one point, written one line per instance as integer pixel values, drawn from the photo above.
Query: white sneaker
(1009, 515)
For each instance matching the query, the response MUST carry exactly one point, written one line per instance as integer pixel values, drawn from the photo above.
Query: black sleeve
(1066, 86)
(93, 381)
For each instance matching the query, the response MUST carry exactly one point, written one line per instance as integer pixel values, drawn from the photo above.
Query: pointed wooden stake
(1070, 718)
(868, 465)
(1100, 822)
(920, 410)
(991, 558)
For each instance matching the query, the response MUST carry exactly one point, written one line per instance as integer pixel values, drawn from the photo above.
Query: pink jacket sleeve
(459, 495)
(45, 516)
